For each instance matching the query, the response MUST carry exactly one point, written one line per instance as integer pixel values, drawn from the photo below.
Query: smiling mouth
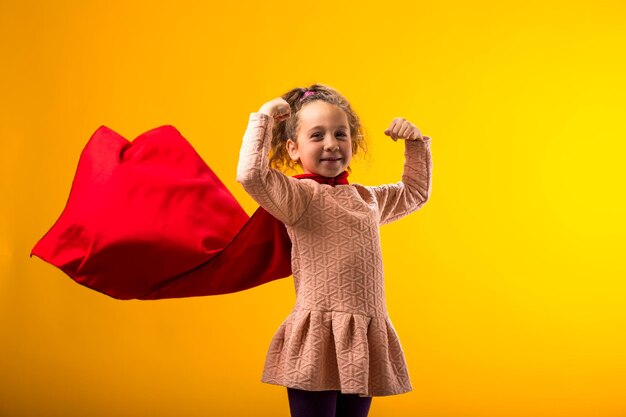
(331, 159)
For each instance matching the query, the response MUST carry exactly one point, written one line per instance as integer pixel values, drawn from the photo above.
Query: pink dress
(338, 335)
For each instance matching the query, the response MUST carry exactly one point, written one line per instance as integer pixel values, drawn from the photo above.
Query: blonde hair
(283, 130)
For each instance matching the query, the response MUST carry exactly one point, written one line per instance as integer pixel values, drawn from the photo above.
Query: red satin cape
(149, 219)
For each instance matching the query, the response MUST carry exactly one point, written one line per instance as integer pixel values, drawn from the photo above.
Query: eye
(316, 135)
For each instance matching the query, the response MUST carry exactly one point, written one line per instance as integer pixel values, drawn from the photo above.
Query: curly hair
(283, 130)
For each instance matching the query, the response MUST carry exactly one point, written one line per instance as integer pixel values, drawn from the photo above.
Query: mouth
(330, 159)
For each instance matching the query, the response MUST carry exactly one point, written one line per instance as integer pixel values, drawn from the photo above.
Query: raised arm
(399, 199)
(285, 198)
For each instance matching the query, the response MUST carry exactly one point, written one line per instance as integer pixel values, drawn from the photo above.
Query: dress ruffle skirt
(335, 350)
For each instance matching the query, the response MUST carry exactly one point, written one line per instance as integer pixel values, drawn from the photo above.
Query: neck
(339, 179)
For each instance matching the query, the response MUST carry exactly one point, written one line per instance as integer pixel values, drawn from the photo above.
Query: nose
(330, 143)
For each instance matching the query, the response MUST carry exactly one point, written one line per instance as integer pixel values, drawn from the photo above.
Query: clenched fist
(403, 129)
(277, 108)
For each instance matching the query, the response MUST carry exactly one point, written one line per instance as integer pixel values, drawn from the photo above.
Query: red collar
(339, 179)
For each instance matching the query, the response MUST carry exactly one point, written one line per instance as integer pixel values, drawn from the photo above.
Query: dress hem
(267, 380)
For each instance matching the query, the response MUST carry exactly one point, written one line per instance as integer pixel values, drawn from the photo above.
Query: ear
(292, 149)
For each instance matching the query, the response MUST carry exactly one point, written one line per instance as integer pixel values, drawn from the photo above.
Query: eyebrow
(317, 127)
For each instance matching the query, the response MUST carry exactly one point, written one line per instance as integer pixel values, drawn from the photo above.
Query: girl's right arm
(285, 198)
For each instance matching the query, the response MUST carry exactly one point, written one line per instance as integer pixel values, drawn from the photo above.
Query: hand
(403, 129)
(277, 108)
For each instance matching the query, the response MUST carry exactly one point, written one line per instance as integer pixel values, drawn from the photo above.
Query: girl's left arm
(399, 199)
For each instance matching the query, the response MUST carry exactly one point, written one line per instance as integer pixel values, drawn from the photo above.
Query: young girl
(337, 348)
(149, 220)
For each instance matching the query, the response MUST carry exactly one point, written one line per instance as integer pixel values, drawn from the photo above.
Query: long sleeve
(399, 199)
(284, 197)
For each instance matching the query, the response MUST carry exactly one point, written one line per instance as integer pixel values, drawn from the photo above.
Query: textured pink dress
(338, 335)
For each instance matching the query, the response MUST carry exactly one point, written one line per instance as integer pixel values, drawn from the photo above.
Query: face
(323, 144)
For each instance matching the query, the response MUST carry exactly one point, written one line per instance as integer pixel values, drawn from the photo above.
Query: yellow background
(507, 289)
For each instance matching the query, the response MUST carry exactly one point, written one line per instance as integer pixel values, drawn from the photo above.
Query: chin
(328, 173)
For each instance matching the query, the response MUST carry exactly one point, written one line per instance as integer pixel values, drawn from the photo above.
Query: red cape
(149, 219)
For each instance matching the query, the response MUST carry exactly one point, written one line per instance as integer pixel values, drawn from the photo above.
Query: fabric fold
(337, 350)
(149, 219)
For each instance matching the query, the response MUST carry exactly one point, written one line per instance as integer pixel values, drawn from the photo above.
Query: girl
(149, 220)
(337, 348)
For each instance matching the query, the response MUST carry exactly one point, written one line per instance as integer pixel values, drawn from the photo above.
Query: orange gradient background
(507, 289)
